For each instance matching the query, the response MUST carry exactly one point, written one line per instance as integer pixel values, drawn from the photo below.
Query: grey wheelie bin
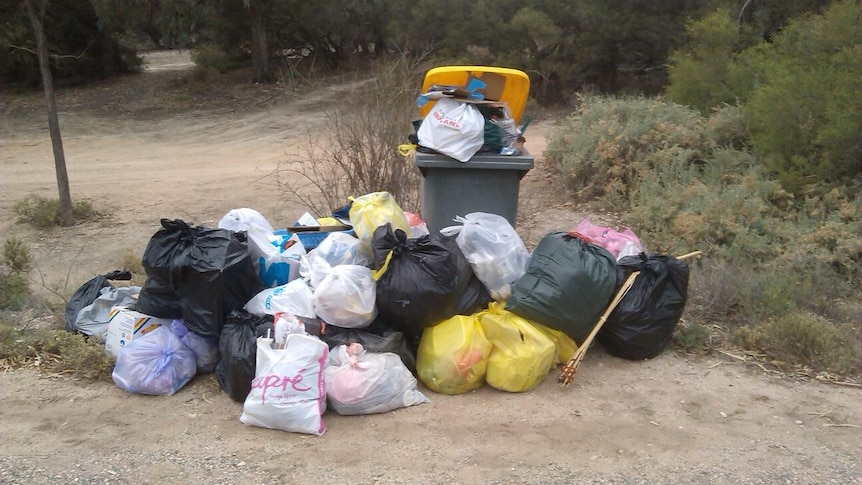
(485, 183)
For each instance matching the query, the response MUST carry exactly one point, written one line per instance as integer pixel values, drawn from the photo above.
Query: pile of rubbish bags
(351, 312)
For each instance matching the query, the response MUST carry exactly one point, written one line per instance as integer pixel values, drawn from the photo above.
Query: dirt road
(676, 419)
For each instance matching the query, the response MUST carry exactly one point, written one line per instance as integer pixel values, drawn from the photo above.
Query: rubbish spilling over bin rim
(509, 86)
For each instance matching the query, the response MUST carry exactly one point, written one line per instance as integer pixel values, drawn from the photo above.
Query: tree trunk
(259, 47)
(65, 214)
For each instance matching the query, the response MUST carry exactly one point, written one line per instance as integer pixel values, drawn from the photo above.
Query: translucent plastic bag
(295, 297)
(453, 355)
(338, 248)
(288, 391)
(156, 363)
(619, 244)
(240, 219)
(453, 128)
(344, 295)
(373, 210)
(522, 355)
(204, 348)
(495, 251)
(360, 382)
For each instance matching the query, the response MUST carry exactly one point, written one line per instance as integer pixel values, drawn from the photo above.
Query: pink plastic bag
(619, 244)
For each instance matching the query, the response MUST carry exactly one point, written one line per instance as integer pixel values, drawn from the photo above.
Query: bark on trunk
(259, 48)
(65, 214)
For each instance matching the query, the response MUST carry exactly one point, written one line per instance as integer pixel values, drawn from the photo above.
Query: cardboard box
(124, 325)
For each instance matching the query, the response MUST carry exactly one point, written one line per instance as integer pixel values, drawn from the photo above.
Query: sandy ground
(674, 419)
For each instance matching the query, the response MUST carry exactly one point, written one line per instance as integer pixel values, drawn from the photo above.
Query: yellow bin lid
(501, 84)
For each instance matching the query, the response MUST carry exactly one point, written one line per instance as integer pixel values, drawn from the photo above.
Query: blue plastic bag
(156, 363)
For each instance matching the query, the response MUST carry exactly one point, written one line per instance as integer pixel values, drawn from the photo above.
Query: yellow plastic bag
(453, 355)
(370, 211)
(564, 345)
(522, 355)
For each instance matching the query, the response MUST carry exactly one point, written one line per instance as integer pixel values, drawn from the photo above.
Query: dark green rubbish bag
(567, 286)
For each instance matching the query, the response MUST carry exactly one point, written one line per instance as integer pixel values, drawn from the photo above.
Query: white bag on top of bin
(494, 249)
(453, 128)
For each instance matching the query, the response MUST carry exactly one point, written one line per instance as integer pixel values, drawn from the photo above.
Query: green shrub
(16, 264)
(14, 291)
(804, 338)
(16, 256)
(208, 58)
(54, 351)
(692, 337)
(43, 213)
(603, 148)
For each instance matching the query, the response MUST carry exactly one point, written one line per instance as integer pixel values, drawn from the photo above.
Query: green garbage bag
(567, 286)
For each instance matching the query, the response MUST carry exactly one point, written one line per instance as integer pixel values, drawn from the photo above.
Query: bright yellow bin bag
(522, 355)
(453, 355)
(369, 211)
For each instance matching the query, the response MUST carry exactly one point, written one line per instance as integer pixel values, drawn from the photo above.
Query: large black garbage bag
(209, 272)
(424, 280)
(377, 337)
(238, 352)
(642, 324)
(567, 286)
(87, 293)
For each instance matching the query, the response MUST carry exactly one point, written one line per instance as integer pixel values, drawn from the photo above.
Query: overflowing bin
(488, 181)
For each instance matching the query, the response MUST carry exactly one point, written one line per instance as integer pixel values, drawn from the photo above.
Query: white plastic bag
(288, 392)
(295, 298)
(344, 295)
(240, 219)
(276, 257)
(494, 249)
(360, 382)
(454, 129)
(338, 248)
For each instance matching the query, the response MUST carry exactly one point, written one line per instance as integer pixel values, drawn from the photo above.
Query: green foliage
(805, 119)
(606, 145)
(16, 265)
(209, 57)
(14, 292)
(801, 91)
(692, 337)
(82, 46)
(16, 256)
(54, 351)
(44, 213)
(704, 73)
(684, 182)
(806, 339)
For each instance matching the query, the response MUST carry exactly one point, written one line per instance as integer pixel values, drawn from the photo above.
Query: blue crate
(311, 239)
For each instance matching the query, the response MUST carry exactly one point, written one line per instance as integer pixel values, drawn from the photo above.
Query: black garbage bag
(209, 272)
(238, 352)
(87, 294)
(424, 282)
(567, 286)
(642, 324)
(377, 337)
